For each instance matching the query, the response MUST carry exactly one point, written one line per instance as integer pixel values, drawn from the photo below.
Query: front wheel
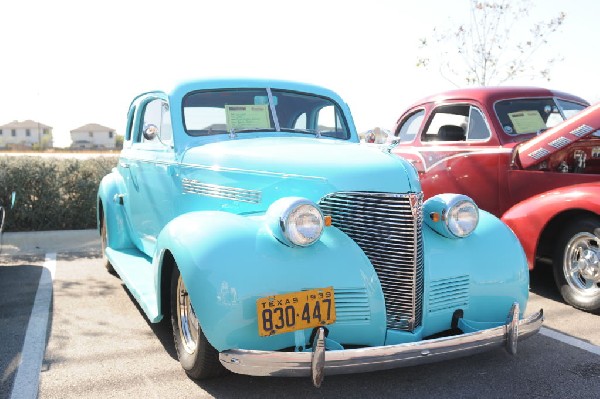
(197, 356)
(104, 237)
(577, 264)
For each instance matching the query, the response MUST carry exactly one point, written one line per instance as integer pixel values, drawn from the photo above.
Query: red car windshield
(533, 115)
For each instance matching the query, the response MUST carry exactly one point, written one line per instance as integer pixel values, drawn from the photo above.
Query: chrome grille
(387, 227)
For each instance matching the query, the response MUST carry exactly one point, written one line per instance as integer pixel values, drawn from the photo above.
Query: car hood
(539, 148)
(278, 167)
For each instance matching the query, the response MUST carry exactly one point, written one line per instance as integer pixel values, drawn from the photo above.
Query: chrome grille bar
(387, 227)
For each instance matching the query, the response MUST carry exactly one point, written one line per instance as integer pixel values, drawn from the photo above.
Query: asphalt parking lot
(87, 338)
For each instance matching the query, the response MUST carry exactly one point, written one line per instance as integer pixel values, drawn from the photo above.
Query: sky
(69, 63)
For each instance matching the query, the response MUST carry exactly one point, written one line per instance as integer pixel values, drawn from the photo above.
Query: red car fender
(529, 218)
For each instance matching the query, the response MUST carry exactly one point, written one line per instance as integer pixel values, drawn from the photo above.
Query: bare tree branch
(491, 47)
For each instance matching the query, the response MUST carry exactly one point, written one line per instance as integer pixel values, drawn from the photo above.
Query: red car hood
(539, 148)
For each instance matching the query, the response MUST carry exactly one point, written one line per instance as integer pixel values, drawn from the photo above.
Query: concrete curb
(42, 242)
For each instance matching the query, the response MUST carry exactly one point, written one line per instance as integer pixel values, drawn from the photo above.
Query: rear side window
(477, 128)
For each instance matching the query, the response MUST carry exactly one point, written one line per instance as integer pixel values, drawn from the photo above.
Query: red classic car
(530, 156)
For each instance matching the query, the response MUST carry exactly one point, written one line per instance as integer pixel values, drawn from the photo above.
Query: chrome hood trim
(216, 191)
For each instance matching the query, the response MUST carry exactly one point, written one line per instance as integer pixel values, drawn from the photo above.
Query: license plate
(295, 311)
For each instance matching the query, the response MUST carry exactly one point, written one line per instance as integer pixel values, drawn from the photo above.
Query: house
(25, 134)
(93, 135)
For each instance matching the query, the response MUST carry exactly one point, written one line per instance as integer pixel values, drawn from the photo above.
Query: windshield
(533, 115)
(250, 110)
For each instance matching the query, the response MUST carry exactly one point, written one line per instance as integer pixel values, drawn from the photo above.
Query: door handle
(124, 165)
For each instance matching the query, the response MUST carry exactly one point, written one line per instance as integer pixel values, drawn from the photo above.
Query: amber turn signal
(435, 216)
(327, 220)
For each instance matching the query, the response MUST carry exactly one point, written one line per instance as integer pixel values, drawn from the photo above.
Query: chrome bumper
(320, 362)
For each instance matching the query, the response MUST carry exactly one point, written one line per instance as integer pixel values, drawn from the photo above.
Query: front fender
(482, 274)
(228, 261)
(529, 218)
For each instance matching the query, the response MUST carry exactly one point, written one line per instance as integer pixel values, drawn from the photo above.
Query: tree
(119, 142)
(493, 47)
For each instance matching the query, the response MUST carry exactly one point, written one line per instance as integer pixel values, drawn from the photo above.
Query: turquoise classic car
(247, 213)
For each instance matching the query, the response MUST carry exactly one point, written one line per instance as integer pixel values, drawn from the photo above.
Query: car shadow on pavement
(541, 282)
(162, 329)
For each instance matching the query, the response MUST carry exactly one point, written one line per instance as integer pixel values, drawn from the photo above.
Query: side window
(410, 127)
(156, 125)
(478, 128)
(448, 123)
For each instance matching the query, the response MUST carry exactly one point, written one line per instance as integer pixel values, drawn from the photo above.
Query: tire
(104, 237)
(197, 356)
(577, 264)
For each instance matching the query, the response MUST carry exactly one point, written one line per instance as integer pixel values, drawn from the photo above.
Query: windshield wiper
(233, 132)
(306, 131)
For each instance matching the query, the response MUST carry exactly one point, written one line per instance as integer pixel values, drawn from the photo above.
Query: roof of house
(93, 127)
(27, 124)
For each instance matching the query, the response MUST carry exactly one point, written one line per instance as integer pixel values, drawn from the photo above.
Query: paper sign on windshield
(247, 117)
(527, 121)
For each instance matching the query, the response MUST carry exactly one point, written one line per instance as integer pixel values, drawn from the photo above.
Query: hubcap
(582, 264)
(188, 322)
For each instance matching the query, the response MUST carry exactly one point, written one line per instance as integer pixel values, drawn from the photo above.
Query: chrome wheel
(197, 356)
(581, 264)
(186, 319)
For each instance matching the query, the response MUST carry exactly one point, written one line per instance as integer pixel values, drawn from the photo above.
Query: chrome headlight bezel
(296, 221)
(451, 215)
(461, 216)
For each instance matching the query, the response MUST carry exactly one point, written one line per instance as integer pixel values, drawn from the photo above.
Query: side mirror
(150, 132)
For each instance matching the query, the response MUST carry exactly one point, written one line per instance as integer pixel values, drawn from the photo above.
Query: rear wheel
(577, 264)
(197, 356)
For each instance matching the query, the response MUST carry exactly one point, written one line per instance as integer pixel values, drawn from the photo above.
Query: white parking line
(27, 379)
(567, 339)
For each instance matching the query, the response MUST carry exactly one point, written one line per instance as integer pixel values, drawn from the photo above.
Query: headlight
(462, 216)
(452, 215)
(296, 221)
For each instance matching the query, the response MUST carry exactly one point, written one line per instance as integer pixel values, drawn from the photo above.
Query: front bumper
(319, 362)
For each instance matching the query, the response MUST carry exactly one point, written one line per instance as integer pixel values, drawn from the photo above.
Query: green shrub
(52, 193)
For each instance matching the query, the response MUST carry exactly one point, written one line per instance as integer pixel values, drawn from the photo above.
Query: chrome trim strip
(216, 191)
(298, 364)
(224, 169)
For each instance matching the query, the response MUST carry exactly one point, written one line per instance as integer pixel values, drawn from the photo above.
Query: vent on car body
(449, 293)
(352, 305)
(388, 228)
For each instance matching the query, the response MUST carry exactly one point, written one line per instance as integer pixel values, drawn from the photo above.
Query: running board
(137, 272)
